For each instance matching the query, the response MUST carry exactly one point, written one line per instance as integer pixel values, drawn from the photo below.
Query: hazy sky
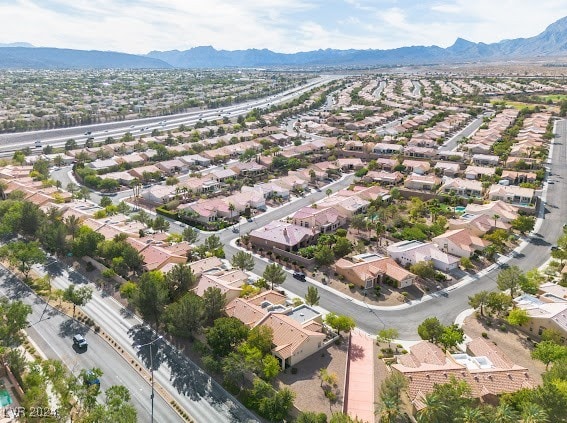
(139, 26)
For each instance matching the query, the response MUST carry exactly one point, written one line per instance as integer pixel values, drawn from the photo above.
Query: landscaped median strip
(147, 376)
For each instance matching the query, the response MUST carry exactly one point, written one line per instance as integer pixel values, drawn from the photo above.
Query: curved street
(446, 308)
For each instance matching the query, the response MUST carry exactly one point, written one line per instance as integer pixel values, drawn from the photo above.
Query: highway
(52, 332)
(144, 126)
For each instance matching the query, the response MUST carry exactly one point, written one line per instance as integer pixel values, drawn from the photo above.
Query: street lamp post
(138, 347)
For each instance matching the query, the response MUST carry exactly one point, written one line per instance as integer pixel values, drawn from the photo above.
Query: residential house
(449, 169)
(477, 172)
(285, 236)
(422, 182)
(462, 187)
(158, 194)
(367, 273)
(171, 167)
(512, 194)
(485, 160)
(485, 368)
(460, 242)
(505, 212)
(350, 164)
(418, 167)
(543, 315)
(478, 224)
(231, 289)
(411, 252)
(297, 332)
(322, 219)
(384, 178)
(387, 149)
(195, 159)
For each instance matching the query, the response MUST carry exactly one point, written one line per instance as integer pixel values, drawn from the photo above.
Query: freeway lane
(57, 137)
(52, 332)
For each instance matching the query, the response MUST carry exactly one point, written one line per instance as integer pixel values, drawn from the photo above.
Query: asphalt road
(52, 332)
(470, 129)
(204, 399)
(57, 137)
(446, 308)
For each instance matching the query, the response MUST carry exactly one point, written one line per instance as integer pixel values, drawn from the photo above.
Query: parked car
(299, 276)
(250, 219)
(80, 342)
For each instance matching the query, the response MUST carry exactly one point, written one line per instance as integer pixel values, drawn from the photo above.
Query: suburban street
(52, 332)
(446, 308)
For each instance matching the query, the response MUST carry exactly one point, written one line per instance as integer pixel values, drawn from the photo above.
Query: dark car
(250, 219)
(90, 379)
(299, 276)
(554, 248)
(80, 342)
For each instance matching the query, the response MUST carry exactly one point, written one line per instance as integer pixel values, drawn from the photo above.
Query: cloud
(139, 26)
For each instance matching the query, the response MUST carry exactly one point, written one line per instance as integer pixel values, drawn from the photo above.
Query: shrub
(484, 335)
(351, 286)
(89, 267)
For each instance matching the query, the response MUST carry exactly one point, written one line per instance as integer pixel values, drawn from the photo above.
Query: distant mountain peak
(17, 44)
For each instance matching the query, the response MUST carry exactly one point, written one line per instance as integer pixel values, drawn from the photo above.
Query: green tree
(324, 255)
(498, 302)
(274, 274)
(185, 317)
(431, 330)
(534, 278)
(452, 336)
(152, 296)
(533, 413)
(225, 335)
(86, 242)
(116, 407)
(276, 408)
(312, 296)
(423, 269)
(179, 280)
(340, 323)
(523, 223)
(105, 202)
(270, 367)
(73, 223)
(23, 255)
(510, 279)
(549, 352)
(214, 301)
(388, 335)
(342, 247)
(518, 317)
(261, 337)
(243, 260)
(77, 296)
(190, 235)
(13, 318)
(311, 417)
(160, 224)
(479, 300)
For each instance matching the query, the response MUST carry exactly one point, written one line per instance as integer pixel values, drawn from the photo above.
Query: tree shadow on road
(71, 327)
(16, 289)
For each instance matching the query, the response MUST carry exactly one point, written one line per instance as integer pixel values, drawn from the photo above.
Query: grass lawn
(553, 97)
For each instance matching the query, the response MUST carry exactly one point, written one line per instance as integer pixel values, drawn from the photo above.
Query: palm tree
(434, 409)
(389, 409)
(504, 413)
(533, 413)
(470, 415)
(73, 224)
(495, 217)
(231, 209)
(72, 188)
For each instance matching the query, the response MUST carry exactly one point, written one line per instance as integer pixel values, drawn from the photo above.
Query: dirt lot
(307, 385)
(513, 342)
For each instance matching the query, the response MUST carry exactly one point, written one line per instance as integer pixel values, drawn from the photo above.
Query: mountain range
(551, 42)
